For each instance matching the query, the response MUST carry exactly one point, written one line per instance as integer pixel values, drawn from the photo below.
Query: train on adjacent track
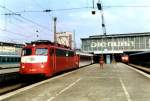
(47, 58)
(125, 58)
(140, 58)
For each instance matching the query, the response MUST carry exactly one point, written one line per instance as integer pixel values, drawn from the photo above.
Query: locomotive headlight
(42, 66)
(126, 58)
(23, 66)
(33, 45)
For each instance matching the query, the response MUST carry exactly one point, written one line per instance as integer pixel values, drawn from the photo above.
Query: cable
(68, 9)
(22, 27)
(37, 4)
(125, 6)
(18, 26)
(25, 18)
(49, 10)
(14, 32)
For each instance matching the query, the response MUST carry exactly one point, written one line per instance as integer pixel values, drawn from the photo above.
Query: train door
(77, 60)
(52, 60)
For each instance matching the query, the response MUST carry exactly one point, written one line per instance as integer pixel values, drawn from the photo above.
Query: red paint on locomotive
(47, 58)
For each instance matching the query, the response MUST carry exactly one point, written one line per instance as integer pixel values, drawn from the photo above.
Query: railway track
(13, 81)
(11, 86)
(4, 90)
(144, 69)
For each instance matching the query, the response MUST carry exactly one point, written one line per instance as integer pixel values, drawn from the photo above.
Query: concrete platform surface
(4, 71)
(116, 82)
(9, 65)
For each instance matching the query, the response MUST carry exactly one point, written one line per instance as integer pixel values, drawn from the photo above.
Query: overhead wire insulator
(99, 6)
(103, 25)
(47, 10)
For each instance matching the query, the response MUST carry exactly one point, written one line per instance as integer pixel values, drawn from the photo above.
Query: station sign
(117, 44)
(10, 50)
(112, 44)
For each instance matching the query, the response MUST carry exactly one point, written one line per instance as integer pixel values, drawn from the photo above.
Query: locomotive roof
(47, 42)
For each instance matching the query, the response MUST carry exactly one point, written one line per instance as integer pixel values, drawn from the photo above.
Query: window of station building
(41, 51)
(0, 60)
(19, 59)
(14, 59)
(8, 59)
(27, 51)
(4, 59)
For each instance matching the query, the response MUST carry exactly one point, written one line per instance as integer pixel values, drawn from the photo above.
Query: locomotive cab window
(41, 51)
(27, 51)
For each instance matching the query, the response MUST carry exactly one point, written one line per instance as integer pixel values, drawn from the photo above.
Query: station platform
(116, 82)
(9, 68)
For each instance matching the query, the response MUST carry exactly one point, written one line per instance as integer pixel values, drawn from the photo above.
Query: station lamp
(93, 12)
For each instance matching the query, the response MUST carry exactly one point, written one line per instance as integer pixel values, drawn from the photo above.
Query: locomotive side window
(60, 52)
(71, 53)
(41, 51)
(27, 51)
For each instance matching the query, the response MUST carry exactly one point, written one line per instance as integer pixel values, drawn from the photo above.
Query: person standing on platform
(101, 62)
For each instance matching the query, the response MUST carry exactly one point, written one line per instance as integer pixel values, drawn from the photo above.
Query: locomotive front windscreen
(27, 51)
(41, 51)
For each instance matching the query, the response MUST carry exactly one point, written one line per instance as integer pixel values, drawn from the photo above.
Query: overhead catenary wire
(25, 18)
(19, 29)
(79, 8)
(53, 10)
(20, 34)
(115, 6)
(125, 6)
(37, 3)
(22, 27)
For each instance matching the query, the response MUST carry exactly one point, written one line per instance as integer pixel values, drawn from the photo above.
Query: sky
(27, 19)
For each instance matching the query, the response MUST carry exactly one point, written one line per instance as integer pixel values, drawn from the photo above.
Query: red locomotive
(125, 58)
(47, 58)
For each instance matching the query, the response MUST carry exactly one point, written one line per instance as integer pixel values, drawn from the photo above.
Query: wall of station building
(116, 44)
(10, 49)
